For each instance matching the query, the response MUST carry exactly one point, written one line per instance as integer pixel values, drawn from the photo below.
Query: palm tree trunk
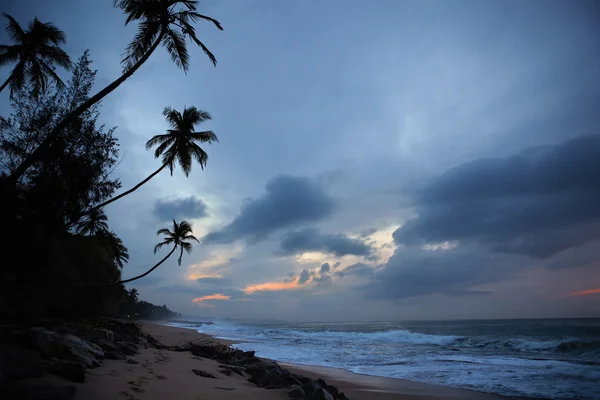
(133, 189)
(6, 82)
(150, 270)
(37, 153)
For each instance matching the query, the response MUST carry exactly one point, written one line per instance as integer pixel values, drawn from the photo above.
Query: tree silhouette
(177, 237)
(177, 145)
(114, 245)
(93, 223)
(169, 22)
(35, 51)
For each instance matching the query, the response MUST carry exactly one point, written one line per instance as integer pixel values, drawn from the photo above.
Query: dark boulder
(296, 392)
(332, 390)
(19, 363)
(232, 368)
(64, 346)
(290, 380)
(311, 387)
(203, 374)
(322, 383)
(70, 370)
(321, 394)
(128, 348)
(341, 396)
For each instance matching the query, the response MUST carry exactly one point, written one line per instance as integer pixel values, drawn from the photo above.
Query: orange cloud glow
(193, 276)
(271, 287)
(586, 292)
(215, 296)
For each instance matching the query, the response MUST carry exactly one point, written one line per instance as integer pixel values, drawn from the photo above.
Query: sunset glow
(586, 292)
(271, 287)
(194, 276)
(215, 296)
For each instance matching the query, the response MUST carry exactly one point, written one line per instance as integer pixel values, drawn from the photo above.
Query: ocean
(540, 358)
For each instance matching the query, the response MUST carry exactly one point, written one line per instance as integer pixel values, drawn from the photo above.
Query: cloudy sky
(379, 160)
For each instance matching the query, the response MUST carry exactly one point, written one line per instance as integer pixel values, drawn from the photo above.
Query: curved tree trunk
(6, 82)
(107, 202)
(150, 270)
(37, 153)
(133, 189)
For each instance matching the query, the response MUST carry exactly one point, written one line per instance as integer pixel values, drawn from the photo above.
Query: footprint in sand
(138, 389)
(162, 377)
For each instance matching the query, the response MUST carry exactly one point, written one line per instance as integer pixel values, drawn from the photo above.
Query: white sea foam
(513, 365)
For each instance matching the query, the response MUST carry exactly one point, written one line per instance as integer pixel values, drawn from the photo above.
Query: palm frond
(163, 147)
(159, 246)
(195, 17)
(141, 43)
(199, 155)
(187, 237)
(47, 70)
(184, 227)
(186, 246)
(185, 162)
(205, 136)
(9, 54)
(175, 44)
(209, 54)
(56, 55)
(13, 29)
(180, 257)
(172, 116)
(50, 32)
(164, 231)
(158, 139)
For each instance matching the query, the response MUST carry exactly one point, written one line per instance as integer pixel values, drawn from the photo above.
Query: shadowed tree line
(59, 166)
(133, 308)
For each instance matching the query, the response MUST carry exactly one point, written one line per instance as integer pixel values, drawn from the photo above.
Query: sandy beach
(163, 374)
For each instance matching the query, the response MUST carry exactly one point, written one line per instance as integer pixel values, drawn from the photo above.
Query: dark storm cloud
(288, 202)
(190, 207)
(322, 280)
(310, 239)
(304, 277)
(325, 268)
(416, 272)
(358, 269)
(539, 202)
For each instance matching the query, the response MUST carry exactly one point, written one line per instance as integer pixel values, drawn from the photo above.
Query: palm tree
(35, 51)
(114, 246)
(93, 223)
(168, 22)
(177, 145)
(177, 237)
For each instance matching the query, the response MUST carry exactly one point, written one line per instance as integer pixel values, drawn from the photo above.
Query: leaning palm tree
(93, 223)
(35, 51)
(177, 145)
(177, 237)
(169, 22)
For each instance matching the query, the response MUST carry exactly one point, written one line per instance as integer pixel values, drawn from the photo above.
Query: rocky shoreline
(71, 350)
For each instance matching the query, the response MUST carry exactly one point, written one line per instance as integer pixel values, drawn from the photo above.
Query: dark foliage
(35, 52)
(133, 308)
(50, 201)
